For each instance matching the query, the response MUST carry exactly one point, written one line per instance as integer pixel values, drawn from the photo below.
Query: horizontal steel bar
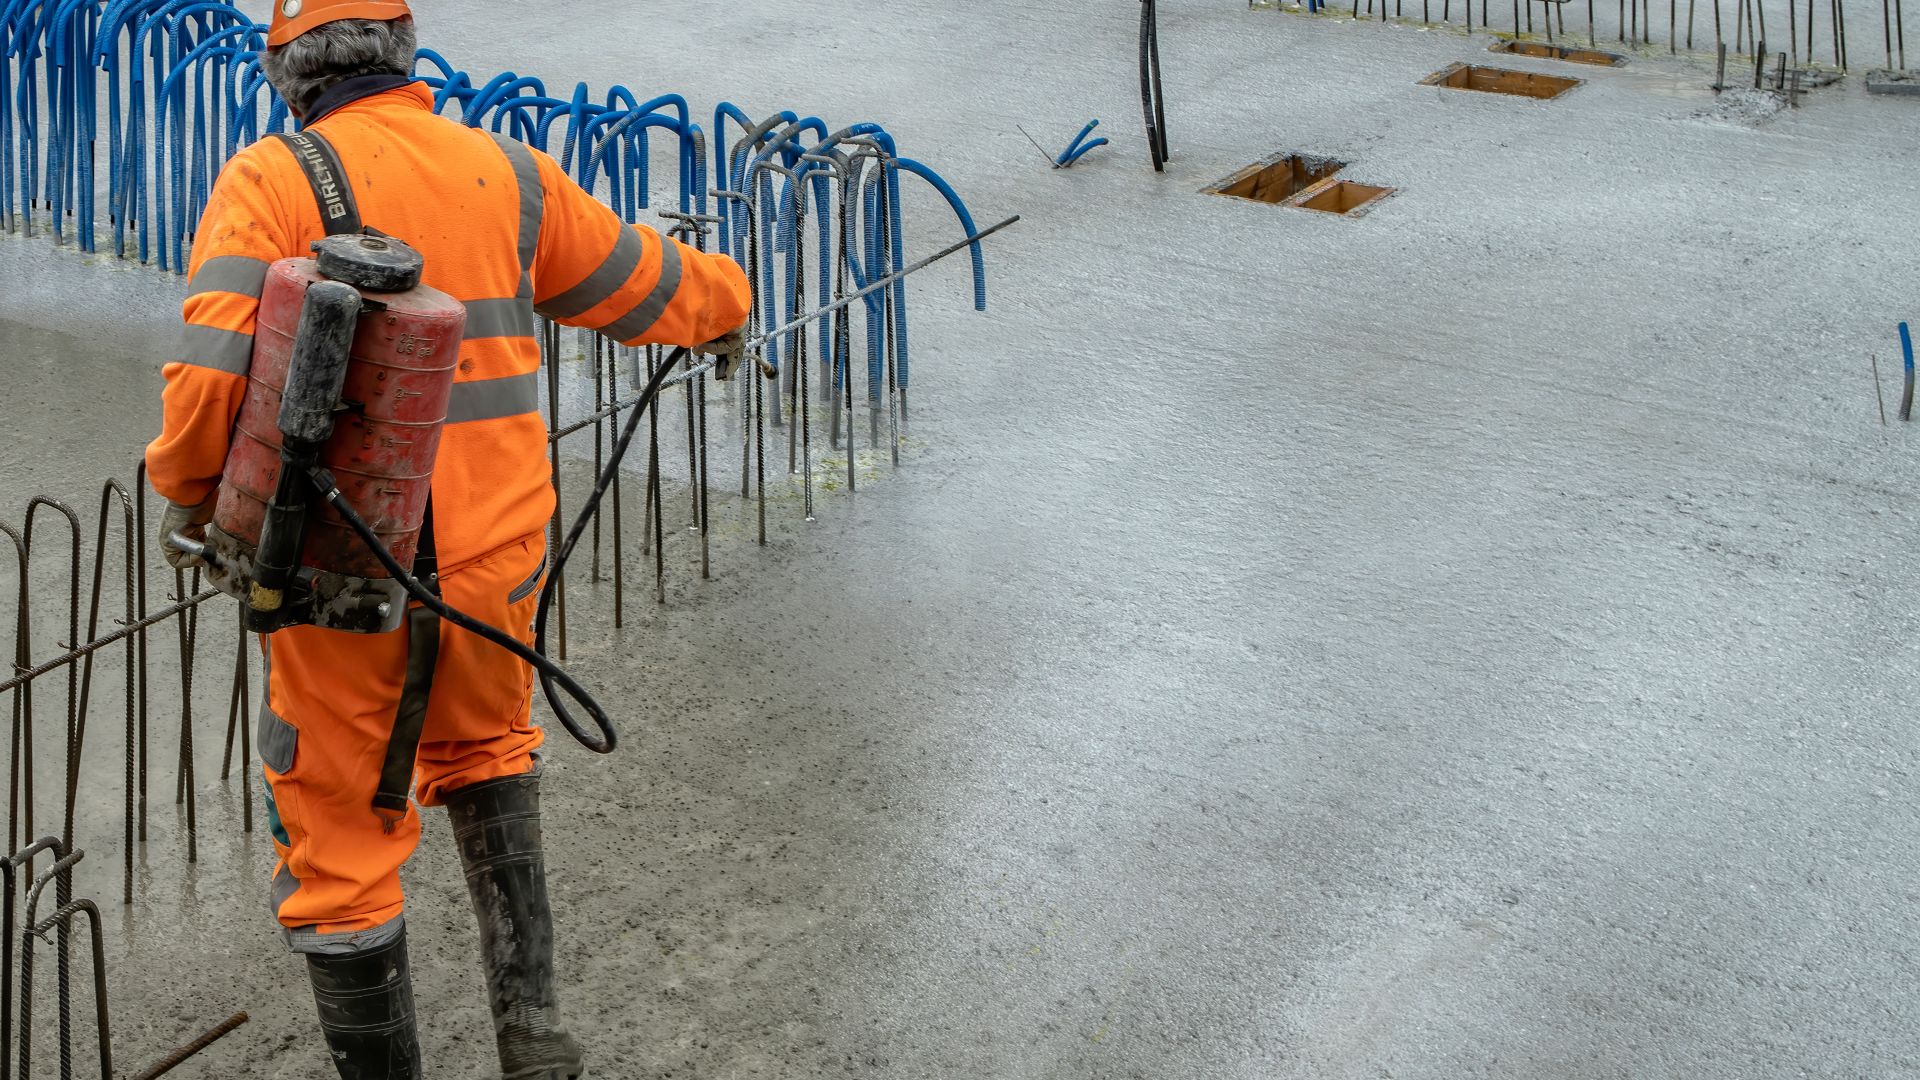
(619, 407)
(882, 283)
(92, 647)
(179, 1057)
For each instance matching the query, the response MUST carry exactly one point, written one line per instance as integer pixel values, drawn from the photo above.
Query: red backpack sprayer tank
(353, 363)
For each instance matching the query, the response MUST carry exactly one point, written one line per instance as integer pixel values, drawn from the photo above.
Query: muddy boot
(366, 1010)
(497, 825)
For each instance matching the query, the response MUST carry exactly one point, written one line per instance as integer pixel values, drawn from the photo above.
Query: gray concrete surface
(1464, 641)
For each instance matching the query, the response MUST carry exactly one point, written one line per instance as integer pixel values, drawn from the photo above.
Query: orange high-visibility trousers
(323, 736)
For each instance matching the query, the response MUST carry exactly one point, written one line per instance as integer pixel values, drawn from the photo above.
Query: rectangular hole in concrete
(1493, 80)
(1341, 197)
(1279, 179)
(1559, 52)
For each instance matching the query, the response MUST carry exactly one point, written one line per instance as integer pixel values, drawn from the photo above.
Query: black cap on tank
(369, 261)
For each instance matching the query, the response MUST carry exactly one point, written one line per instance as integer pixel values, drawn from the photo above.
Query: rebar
(184, 786)
(25, 743)
(9, 875)
(61, 919)
(619, 523)
(655, 507)
(22, 657)
(172, 611)
(140, 533)
(60, 872)
(592, 355)
(180, 1057)
(550, 338)
(1900, 33)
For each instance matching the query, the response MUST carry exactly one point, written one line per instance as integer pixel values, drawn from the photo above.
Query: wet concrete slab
(1460, 641)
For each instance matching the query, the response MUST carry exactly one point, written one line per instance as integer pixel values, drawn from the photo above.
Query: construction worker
(504, 230)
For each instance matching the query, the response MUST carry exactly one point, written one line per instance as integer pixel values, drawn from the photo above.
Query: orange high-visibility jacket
(504, 230)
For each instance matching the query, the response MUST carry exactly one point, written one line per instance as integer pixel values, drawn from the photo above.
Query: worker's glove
(190, 520)
(726, 351)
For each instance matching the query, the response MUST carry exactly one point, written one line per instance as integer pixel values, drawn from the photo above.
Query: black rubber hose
(1160, 93)
(551, 674)
(1154, 141)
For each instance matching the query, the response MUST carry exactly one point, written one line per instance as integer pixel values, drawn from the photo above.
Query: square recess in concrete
(1341, 197)
(1277, 179)
(1559, 52)
(1493, 80)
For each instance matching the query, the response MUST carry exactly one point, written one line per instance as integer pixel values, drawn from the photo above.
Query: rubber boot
(497, 825)
(366, 1010)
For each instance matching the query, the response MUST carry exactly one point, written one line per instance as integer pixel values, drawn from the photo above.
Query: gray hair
(303, 69)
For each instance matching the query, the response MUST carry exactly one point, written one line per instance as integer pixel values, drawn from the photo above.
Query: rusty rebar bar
(599, 445)
(140, 535)
(619, 524)
(656, 503)
(25, 748)
(22, 653)
(60, 871)
(184, 789)
(9, 868)
(62, 919)
(171, 611)
(179, 1057)
(551, 342)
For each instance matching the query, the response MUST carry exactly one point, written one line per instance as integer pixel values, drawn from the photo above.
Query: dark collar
(347, 91)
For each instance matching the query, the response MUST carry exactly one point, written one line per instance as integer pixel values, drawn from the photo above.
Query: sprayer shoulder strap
(339, 213)
(410, 716)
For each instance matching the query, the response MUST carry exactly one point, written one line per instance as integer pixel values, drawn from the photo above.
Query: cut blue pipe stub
(1079, 147)
(1906, 394)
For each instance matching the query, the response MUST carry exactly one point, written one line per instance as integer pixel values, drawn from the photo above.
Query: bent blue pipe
(447, 71)
(1069, 159)
(1906, 351)
(473, 112)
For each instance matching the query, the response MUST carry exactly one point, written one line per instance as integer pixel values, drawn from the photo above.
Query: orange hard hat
(291, 18)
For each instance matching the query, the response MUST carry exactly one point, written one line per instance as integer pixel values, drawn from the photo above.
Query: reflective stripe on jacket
(504, 230)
